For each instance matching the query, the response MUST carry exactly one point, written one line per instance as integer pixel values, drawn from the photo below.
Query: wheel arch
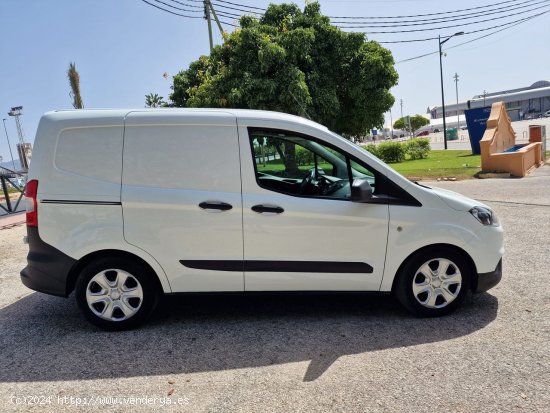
(87, 259)
(455, 248)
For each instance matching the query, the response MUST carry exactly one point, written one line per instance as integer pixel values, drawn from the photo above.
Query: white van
(126, 205)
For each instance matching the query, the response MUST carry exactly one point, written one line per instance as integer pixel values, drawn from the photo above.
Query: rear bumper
(487, 280)
(47, 268)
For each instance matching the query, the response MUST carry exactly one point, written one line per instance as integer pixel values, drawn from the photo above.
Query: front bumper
(487, 280)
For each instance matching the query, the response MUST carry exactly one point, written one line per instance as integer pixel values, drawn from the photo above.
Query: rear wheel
(433, 282)
(116, 293)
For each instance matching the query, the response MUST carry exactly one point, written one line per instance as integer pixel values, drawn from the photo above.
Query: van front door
(181, 196)
(301, 230)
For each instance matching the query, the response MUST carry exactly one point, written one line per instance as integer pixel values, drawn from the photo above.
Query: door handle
(221, 206)
(270, 209)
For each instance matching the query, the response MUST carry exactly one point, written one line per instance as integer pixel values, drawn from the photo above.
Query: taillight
(30, 202)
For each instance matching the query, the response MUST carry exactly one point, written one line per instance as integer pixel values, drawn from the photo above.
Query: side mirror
(361, 191)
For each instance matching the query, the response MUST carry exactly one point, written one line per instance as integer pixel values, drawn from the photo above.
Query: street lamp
(442, 92)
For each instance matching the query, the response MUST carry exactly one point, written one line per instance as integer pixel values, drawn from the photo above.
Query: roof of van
(67, 114)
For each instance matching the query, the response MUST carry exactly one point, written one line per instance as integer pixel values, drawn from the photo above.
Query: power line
(187, 4)
(471, 32)
(471, 40)
(230, 15)
(424, 22)
(201, 9)
(491, 9)
(510, 24)
(242, 5)
(179, 8)
(171, 12)
(235, 8)
(447, 27)
(426, 14)
(510, 7)
(498, 31)
(183, 15)
(498, 5)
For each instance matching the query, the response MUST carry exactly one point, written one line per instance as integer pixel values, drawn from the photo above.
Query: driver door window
(298, 166)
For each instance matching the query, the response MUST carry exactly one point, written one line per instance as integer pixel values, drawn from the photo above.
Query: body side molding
(279, 266)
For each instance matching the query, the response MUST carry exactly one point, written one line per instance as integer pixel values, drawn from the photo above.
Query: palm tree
(152, 100)
(74, 80)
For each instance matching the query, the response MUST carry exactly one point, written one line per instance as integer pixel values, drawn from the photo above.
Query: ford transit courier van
(124, 206)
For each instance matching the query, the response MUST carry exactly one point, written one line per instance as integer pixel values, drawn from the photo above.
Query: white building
(521, 103)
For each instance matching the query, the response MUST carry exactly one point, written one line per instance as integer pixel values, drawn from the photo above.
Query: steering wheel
(327, 187)
(306, 181)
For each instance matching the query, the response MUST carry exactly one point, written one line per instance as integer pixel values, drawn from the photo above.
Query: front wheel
(433, 282)
(116, 293)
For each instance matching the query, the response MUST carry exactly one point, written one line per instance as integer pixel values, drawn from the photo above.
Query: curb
(12, 225)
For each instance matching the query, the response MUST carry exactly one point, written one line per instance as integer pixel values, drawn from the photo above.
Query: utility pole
(208, 8)
(455, 77)
(207, 17)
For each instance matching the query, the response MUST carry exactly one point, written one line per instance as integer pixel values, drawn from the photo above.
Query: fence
(16, 180)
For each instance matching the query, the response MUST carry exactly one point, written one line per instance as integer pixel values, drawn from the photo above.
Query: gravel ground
(301, 354)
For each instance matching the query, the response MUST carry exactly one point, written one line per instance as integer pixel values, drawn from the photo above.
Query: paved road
(300, 354)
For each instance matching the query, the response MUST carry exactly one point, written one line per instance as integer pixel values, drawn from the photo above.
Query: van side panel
(174, 162)
(80, 160)
(79, 173)
(78, 165)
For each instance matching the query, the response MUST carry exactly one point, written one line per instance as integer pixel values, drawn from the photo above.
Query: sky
(122, 48)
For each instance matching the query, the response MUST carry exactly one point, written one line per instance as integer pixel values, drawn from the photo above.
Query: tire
(116, 293)
(424, 291)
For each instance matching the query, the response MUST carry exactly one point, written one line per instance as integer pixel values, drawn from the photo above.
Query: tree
(295, 62)
(153, 100)
(74, 81)
(416, 122)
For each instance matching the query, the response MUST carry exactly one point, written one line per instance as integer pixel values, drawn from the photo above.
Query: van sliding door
(181, 196)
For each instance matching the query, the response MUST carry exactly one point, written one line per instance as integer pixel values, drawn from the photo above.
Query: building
(522, 103)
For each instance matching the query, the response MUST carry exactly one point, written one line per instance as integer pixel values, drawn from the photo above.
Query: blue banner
(476, 119)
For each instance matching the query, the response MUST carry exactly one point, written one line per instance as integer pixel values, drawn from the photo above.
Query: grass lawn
(439, 164)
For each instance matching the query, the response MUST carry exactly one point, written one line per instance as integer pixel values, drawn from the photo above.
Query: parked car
(196, 208)
(423, 133)
(437, 130)
(547, 114)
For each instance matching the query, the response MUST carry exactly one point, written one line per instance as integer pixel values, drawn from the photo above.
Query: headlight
(485, 216)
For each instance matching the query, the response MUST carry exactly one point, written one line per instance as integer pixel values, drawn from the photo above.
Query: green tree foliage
(417, 121)
(153, 100)
(295, 62)
(74, 81)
